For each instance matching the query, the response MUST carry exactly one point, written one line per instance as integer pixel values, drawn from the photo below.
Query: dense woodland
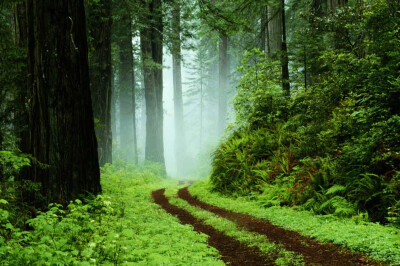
(292, 105)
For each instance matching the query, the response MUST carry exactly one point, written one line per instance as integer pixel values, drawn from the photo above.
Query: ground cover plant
(378, 241)
(121, 226)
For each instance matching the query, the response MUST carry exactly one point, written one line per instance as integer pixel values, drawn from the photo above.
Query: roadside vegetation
(378, 241)
(333, 146)
(120, 226)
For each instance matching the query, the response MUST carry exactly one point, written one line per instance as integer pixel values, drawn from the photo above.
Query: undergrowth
(121, 226)
(380, 242)
(333, 146)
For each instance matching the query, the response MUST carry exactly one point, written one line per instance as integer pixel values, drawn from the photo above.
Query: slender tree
(62, 136)
(284, 51)
(126, 85)
(100, 22)
(21, 113)
(274, 27)
(151, 43)
(180, 152)
(223, 82)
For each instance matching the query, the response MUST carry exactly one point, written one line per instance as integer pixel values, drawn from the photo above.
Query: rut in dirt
(313, 251)
(232, 251)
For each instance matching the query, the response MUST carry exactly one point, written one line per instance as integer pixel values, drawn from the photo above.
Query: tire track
(232, 251)
(313, 251)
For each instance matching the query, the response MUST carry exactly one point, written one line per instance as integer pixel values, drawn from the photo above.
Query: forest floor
(235, 251)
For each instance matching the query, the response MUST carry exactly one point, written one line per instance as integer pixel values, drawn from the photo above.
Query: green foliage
(356, 233)
(122, 226)
(11, 163)
(333, 146)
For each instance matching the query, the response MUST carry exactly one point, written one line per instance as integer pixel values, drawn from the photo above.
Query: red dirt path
(313, 251)
(232, 251)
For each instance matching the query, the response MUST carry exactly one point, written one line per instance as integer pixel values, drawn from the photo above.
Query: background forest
(286, 103)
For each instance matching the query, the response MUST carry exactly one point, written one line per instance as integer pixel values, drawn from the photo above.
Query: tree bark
(60, 108)
(152, 54)
(180, 144)
(275, 28)
(332, 5)
(21, 118)
(100, 21)
(126, 86)
(114, 116)
(223, 83)
(284, 56)
(264, 29)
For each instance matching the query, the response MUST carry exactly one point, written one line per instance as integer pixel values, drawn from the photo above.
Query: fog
(197, 152)
(200, 108)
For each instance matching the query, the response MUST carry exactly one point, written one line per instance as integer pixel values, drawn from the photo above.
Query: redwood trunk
(60, 108)
(284, 56)
(152, 55)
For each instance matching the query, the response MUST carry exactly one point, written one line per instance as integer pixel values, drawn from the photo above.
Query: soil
(232, 251)
(314, 252)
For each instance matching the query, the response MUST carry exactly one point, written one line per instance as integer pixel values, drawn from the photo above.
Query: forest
(200, 132)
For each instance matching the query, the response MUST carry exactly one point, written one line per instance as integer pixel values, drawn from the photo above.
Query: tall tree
(21, 39)
(223, 82)
(180, 151)
(332, 5)
(100, 22)
(126, 85)
(60, 108)
(274, 27)
(151, 43)
(284, 55)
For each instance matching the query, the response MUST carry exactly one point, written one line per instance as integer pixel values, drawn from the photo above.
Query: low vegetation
(120, 226)
(333, 147)
(357, 234)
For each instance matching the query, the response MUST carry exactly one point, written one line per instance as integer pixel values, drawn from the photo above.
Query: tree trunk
(100, 21)
(332, 5)
(275, 28)
(284, 56)
(134, 132)
(21, 119)
(60, 108)
(223, 83)
(213, 85)
(264, 30)
(152, 54)
(201, 106)
(180, 152)
(114, 108)
(127, 90)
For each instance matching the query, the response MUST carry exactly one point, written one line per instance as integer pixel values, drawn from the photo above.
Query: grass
(280, 255)
(159, 238)
(380, 242)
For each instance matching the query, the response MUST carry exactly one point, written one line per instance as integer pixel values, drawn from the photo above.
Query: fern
(336, 190)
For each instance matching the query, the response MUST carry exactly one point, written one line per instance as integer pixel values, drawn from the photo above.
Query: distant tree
(126, 81)
(176, 51)
(151, 43)
(100, 22)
